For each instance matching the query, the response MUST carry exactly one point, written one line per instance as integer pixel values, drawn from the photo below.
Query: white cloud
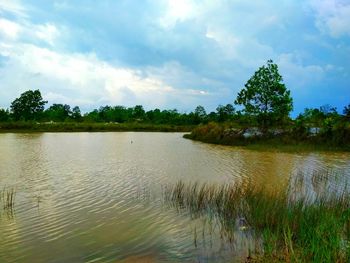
(47, 32)
(13, 7)
(332, 16)
(9, 29)
(25, 31)
(177, 11)
(90, 79)
(297, 75)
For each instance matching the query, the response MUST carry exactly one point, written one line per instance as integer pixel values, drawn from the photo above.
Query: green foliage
(200, 115)
(225, 113)
(28, 106)
(58, 112)
(76, 114)
(346, 112)
(266, 97)
(4, 115)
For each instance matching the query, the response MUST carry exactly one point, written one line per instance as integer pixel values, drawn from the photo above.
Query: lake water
(97, 197)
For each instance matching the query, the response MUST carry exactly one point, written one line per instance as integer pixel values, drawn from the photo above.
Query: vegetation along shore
(284, 224)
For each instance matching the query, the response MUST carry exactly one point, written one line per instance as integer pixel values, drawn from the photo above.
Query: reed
(7, 197)
(292, 227)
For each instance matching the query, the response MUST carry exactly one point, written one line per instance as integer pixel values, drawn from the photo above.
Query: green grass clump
(291, 229)
(7, 197)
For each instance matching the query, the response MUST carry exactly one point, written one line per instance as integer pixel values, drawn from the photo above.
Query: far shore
(29, 127)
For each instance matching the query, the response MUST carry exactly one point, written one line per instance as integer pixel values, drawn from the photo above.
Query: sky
(172, 53)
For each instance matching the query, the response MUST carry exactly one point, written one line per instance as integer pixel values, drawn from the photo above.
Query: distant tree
(225, 113)
(28, 106)
(92, 116)
(212, 116)
(328, 110)
(138, 112)
(105, 113)
(199, 114)
(265, 96)
(76, 114)
(4, 115)
(154, 116)
(346, 112)
(58, 112)
(200, 111)
(312, 117)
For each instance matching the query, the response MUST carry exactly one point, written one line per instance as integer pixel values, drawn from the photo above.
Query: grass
(89, 127)
(7, 197)
(292, 227)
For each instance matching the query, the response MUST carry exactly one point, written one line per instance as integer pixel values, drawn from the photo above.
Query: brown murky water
(97, 197)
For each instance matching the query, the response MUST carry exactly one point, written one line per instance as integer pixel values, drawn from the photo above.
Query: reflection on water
(90, 197)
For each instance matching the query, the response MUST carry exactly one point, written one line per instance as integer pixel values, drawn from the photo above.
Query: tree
(76, 113)
(138, 112)
(224, 113)
(199, 114)
(4, 115)
(346, 112)
(266, 97)
(58, 112)
(28, 106)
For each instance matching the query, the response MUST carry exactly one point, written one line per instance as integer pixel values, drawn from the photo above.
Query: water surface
(97, 197)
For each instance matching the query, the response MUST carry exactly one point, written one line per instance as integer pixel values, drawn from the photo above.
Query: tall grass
(291, 229)
(7, 199)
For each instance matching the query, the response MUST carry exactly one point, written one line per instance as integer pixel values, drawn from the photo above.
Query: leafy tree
(225, 113)
(4, 115)
(328, 110)
(28, 106)
(346, 112)
(92, 116)
(312, 117)
(58, 112)
(199, 114)
(138, 112)
(265, 96)
(76, 114)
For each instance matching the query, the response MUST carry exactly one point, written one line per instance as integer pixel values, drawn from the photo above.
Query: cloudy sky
(172, 53)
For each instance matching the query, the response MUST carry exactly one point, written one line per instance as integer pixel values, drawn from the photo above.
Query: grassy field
(89, 127)
(290, 226)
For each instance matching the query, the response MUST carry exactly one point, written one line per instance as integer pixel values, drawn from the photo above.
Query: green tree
(138, 112)
(199, 114)
(346, 112)
(76, 113)
(4, 115)
(225, 113)
(58, 112)
(266, 97)
(28, 106)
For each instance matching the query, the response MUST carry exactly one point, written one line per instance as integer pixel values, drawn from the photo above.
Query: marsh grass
(290, 226)
(7, 199)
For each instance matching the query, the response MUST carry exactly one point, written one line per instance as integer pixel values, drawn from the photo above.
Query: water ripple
(92, 197)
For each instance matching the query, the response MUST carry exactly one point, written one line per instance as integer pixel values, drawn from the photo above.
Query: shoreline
(274, 145)
(90, 127)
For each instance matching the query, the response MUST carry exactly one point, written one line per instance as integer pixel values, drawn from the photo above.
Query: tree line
(30, 106)
(264, 101)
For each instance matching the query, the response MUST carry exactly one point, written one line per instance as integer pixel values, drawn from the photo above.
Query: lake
(98, 197)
